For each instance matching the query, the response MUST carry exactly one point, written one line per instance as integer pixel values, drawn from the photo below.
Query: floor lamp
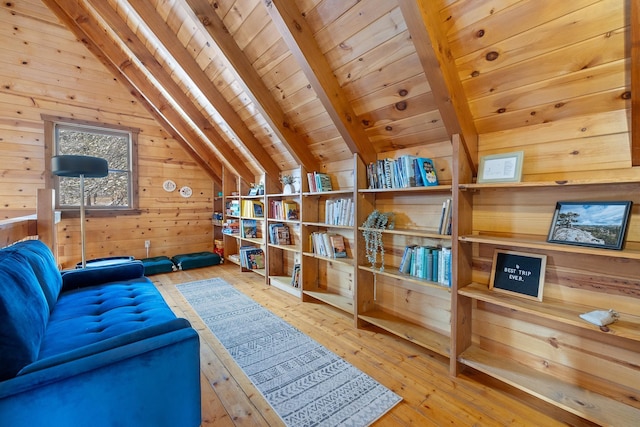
(80, 167)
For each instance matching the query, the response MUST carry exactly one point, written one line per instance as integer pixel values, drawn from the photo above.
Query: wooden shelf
(340, 302)
(284, 284)
(587, 404)
(430, 234)
(547, 184)
(284, 221)
(391, 271)
(430, 189)
(257, 241)
(424, 337)
(322, 224)
(234, 258)
(290, 248)
(329, 193)
(346, 261)
(543, 245)
(627, 326)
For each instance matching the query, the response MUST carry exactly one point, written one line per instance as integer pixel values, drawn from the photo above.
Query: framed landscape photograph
(594, 224)
(505, 167)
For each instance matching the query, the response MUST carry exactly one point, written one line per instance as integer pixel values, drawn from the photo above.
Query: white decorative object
(186, 191)
(287, 189)
(169, 185)
(600, 317)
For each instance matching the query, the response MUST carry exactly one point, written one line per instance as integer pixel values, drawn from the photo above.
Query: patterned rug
(305, 383)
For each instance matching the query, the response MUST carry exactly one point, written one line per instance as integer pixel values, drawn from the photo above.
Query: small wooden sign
(518, 273)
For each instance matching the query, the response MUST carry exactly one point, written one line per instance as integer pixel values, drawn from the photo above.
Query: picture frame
(253, 191)
(518, 273)
(601, 224)
(504, 167)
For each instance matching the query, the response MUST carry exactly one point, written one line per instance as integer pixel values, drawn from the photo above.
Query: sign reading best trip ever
(518, 273)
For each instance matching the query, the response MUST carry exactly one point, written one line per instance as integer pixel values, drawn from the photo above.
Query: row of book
(445, 218)
(328, 245)
(284, 209)
(403, 172)
(319, 182)
(252, 209)
(251, 257)
(339, 212)
(279, 234)
(295, 276)
(427, 262)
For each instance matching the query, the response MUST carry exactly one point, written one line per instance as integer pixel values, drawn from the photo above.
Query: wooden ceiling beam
(169, 39)
(69, 17)
(253, 84)
(433, 50)
(138, 48)
(635, 82)
(299, 38)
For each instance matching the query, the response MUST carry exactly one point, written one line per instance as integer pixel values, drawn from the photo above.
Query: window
(117, 145)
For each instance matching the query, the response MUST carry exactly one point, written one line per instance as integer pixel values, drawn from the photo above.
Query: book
(427, 172)
(323, 182)
(249, 228)
(291, 209)
(338, 246)
(295, 276)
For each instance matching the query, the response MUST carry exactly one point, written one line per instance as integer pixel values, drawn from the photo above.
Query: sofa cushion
(23, 313)
(44, 265)
(93, 314)
(157, 265)
(196, 260)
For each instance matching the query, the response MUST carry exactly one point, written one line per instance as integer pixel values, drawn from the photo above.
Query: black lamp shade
(74, 166)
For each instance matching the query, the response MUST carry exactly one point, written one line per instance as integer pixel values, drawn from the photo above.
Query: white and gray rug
(305, 383)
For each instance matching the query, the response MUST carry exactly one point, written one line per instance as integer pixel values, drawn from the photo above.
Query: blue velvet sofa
(91, 347)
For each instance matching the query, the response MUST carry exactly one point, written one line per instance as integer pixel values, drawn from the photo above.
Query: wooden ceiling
(262, 86)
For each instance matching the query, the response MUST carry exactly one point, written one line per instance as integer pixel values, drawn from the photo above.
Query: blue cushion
(90, 315)
(44, 265)
(23, 313)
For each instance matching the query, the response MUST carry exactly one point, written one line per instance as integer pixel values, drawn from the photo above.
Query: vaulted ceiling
(261, 86)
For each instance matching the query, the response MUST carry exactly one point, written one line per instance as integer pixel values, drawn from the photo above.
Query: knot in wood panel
(492, 56)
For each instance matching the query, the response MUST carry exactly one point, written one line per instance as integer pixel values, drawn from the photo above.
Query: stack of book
(339, 212)
(284, 209)
(319, 182)
(427, 262)
(279, 234)
(251, 257)
(403, 172)
(231, 226)
(328, 245)
(233, 208)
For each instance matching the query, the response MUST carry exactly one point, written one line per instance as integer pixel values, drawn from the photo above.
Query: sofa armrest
(151, 381)
(80, 278)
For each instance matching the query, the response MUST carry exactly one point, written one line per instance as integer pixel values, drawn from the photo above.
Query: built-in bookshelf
(396, 294)
(328, 239)
(284, 239)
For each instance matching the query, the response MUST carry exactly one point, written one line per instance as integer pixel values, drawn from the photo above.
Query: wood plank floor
(430, 396)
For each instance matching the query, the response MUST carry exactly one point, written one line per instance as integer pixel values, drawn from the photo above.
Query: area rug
(305, 383)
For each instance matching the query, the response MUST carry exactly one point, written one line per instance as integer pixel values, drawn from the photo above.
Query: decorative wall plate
(186, 191)
(169, 185)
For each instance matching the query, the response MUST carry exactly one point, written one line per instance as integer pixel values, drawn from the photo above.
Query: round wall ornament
(186, 191)
(169, 185)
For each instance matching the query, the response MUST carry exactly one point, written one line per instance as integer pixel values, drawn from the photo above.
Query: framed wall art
(504, 167)
(594, 224)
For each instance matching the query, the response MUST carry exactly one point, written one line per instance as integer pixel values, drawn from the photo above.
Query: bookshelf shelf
(338, 301)
(392, 272)
(431, 340)
(345, 261)
(284, 284)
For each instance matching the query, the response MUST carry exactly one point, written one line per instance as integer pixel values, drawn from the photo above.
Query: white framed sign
(505, 167)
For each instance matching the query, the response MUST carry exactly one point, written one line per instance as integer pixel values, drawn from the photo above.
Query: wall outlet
(147, 243)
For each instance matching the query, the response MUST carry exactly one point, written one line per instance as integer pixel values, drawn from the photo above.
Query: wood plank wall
(45, 70)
